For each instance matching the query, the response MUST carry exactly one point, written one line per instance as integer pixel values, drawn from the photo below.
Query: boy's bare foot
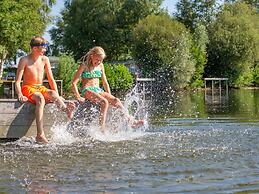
(137, 123)
(41, 139)
(70, 109)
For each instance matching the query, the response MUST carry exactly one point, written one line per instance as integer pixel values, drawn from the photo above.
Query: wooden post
(220, 90)
(212, 92)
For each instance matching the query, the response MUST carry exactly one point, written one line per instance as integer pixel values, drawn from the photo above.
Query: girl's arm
(104, 81)
(75, 81)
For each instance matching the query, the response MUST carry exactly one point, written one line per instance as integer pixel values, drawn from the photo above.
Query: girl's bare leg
(104, 104)
(117, 103)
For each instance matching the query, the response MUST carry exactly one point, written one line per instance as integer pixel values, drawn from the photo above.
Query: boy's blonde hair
(86, 59)
(38, 41)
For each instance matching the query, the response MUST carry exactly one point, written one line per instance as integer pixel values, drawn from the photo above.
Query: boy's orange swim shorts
(29, 90)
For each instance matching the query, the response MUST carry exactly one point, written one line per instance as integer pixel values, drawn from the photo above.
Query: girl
(90, 70)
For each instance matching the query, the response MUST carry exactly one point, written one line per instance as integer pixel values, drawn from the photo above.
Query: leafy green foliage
(119, 77)
(19, 22)
(108, 23)
(162, 48)
(256, 74)
(253, 3)
(234, 44)
(192, 12)
(66, 70)
(200, 40)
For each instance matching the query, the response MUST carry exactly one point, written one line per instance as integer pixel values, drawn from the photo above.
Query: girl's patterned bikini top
(95, 73)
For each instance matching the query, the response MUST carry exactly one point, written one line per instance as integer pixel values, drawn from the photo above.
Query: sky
(168, 4)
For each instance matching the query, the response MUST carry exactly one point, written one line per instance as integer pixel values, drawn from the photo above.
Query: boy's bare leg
(40, 103)
(69, 108)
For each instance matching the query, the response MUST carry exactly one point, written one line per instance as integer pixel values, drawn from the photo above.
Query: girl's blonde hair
(86, 59)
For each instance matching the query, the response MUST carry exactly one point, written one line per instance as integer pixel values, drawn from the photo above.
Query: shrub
(66, 70)
(119, 77)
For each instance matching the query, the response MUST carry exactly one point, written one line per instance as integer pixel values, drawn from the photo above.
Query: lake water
(192, 144)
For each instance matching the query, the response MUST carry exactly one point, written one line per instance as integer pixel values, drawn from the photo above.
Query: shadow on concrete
(22, 122)
(84, 115)
(5, 139)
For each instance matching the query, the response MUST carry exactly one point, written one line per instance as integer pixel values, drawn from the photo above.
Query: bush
(119, 77)
(66, 70)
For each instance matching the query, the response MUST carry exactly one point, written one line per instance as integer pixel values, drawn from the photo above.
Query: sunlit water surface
(211, 151)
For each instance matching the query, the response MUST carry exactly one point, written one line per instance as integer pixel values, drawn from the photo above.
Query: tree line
(201, 39)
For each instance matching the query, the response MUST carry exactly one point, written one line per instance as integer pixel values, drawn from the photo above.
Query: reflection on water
(238, 104)
(189, 146)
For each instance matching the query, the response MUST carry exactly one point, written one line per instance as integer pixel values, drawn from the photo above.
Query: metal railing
(9, 87)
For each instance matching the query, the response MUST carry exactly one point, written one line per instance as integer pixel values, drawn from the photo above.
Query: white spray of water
(85, 124)
(61, 135)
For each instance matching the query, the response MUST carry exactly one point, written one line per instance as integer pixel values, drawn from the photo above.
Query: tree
(200, 41)
(191, 12)
(19, 21)
(87, 23)
(253, 3)
(234, 44)
(163, 50)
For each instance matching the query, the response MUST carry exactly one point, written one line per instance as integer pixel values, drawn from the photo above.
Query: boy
(32, 68)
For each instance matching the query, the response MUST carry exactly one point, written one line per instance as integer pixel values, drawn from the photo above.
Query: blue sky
(168, 4)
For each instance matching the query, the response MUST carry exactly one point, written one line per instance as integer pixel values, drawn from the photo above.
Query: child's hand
(81, 99)
(22, 98)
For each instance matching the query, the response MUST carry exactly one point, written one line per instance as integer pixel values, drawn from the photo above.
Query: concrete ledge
(18, 120)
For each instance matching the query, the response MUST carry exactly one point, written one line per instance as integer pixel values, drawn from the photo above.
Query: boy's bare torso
(33, 70)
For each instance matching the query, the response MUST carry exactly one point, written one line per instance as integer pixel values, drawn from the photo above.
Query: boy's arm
(104, 81)
(18, 79)
(52, 83)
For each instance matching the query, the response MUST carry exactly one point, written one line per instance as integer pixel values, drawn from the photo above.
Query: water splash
(85, 122)
(137, 104)
(61, 135)
(110, 136)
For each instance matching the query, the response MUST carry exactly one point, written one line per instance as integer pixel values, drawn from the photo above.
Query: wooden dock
(219, 80)
(217, 92)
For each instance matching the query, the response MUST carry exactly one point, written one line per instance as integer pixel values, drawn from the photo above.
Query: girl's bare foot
(70, 109)
(103, 129)
(137, 123)
(41, 139)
